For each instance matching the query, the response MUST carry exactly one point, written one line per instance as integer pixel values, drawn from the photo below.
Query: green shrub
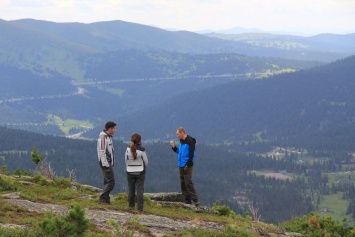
(21, 172)
(314, 225)
(41, 180)
(64, 194)
(6, 184)
(222, 209)
(3, 170)
(74, 224)
(147, 200)
(62, 182)
(29, 195)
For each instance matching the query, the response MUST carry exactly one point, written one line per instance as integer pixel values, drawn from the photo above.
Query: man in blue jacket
(186, 156)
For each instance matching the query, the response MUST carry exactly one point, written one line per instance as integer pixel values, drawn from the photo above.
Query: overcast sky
(307, 16)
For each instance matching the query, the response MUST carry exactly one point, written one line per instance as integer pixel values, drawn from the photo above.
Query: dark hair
(136, 141)
(109, 124)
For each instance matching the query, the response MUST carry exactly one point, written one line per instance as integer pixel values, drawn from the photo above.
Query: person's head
(136, 141)
(110, 127)
(181, 133)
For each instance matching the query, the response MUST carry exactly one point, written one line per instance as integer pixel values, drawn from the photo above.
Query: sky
(305, 16)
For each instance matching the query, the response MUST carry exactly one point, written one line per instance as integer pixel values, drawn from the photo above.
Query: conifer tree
(36, 158)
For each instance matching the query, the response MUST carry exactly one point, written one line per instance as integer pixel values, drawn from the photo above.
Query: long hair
(136, 141)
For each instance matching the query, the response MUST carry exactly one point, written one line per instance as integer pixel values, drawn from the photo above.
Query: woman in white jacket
(136, 163)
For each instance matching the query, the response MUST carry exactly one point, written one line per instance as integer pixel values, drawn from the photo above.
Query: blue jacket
(186, 151)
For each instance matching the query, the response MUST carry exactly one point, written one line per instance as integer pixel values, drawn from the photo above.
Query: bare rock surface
(169, 197)
(158, 225)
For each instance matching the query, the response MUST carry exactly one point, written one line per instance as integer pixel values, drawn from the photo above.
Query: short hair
(181, 130)
(109, 125)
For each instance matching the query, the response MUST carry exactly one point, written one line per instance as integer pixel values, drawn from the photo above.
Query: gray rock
(169, 197)
(26, 183)
(15, 195)
(92, 188)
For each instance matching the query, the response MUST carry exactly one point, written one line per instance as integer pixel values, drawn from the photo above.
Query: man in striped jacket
(106, 158)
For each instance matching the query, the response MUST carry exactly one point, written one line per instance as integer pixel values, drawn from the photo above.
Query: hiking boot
(197, 204)
(188, 200)
(103, 202)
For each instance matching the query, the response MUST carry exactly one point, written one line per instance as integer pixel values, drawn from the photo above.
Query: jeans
(136, 182)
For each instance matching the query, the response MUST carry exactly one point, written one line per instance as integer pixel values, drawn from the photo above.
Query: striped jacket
(105, 151)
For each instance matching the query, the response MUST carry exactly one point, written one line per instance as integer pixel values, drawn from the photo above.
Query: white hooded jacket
(136, 165)
(105, 151)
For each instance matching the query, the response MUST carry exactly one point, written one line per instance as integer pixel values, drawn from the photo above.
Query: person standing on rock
(186, 156)
(136, 162)
(105, 152)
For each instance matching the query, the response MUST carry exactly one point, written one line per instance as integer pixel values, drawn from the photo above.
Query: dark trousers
(109, 184)
(136, 182)
(187, 186)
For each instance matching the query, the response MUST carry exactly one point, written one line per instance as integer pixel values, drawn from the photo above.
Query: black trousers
(109, 184)
(136, 182)
(187, 186)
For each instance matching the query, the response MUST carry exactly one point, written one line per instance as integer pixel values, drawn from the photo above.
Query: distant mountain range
(241, 30)
(143, 75)
(321, 42)
(240, 95)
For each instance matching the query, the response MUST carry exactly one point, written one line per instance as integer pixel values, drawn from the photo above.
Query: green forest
(220, 173)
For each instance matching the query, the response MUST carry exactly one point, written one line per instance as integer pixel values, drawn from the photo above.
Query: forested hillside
(234, 178)
(272, 130)
(131, 80)
(234, 186)
(292, 109)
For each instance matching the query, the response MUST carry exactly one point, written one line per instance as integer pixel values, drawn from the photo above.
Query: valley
(271, 113)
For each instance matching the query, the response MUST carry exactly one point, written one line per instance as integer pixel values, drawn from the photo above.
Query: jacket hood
(103, 133)
(189, 138)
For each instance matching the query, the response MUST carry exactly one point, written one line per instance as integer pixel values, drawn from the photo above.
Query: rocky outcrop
(167, 197)
(158, 225)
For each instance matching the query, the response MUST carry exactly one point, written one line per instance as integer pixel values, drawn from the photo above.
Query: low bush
(74, 224)
(7, 184)
(314, 225)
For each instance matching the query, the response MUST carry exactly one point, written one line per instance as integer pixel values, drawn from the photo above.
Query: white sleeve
(145, 158)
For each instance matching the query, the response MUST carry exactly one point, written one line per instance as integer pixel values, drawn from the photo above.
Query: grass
(341, 177)
(115, 91)
(334, 206)
(13, 214)
(67, 124)
(334, 203)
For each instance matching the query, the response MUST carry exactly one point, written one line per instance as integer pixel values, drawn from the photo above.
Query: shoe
(188, 202)
(196, 203)
(103, 202)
